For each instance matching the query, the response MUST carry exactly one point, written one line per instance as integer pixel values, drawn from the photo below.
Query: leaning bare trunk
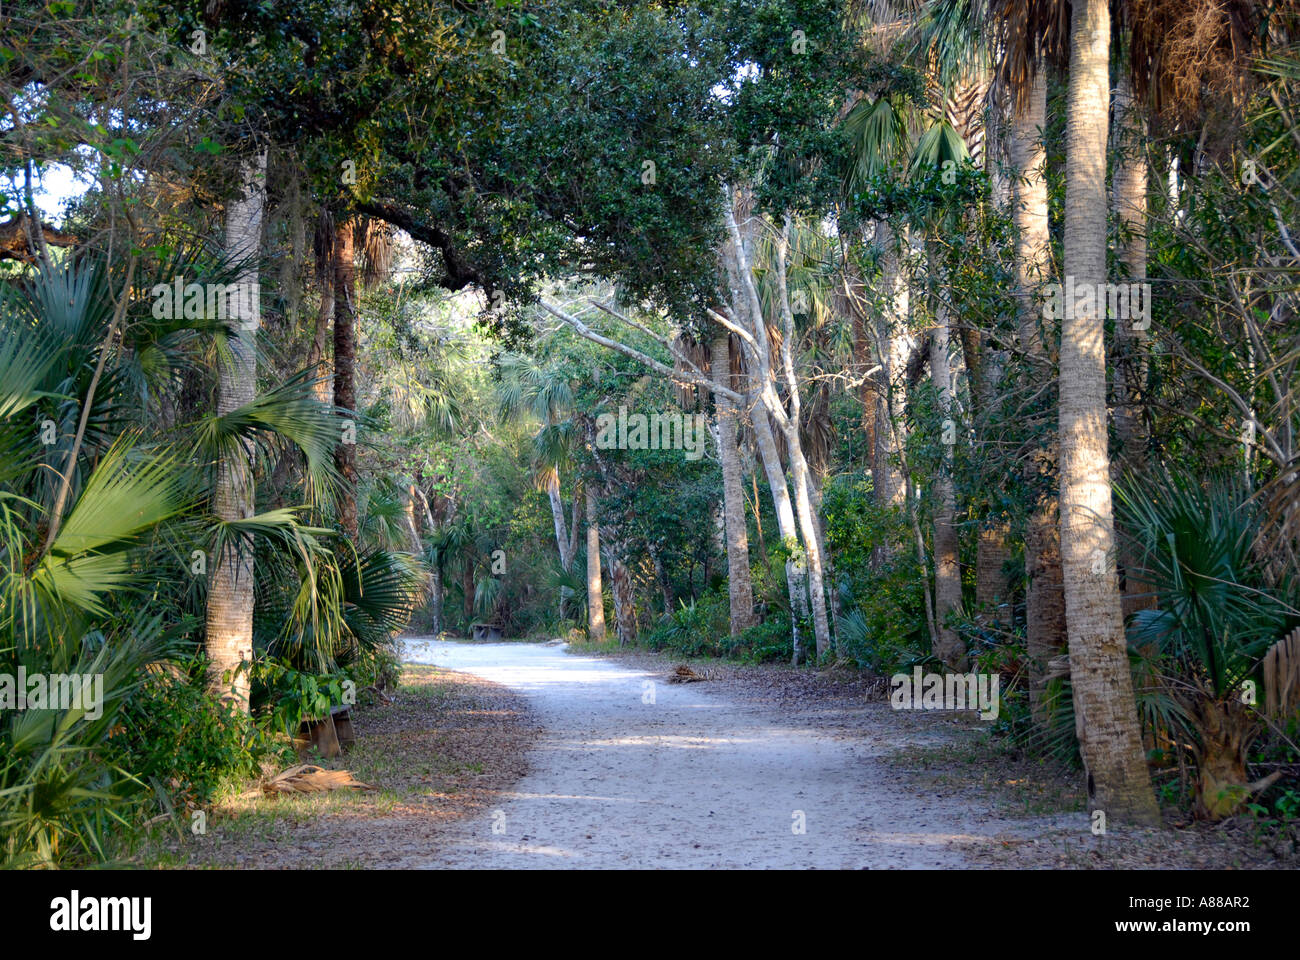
(740, 590)
(1045, 597)
(229, 634)
(595, 592)
(949, 646)
(557, 516)
(408, 515)
(345, 357)
(1105, 712)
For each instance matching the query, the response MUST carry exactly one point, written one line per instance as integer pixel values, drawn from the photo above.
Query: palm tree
(104, 595)
(546, 393)
(1106, 718)
(230, 588)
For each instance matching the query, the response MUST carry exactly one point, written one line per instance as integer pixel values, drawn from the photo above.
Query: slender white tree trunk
(740, 590)
(557, 516)
(796, 577)
(947, 568)
(229, 635)
(893, 343)
(766, 373)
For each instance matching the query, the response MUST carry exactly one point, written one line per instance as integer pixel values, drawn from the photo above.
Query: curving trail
(690, 780)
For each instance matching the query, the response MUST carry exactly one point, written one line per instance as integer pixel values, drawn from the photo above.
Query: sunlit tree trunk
(345, 358)
(595, 592)
(740, 591)
(229, 625)
(1105, 713)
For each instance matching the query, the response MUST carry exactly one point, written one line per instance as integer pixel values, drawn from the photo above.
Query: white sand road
(692, 780)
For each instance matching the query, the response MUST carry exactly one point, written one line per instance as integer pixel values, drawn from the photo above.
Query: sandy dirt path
(634, 772)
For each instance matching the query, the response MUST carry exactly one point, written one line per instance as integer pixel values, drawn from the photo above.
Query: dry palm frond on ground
(684, 674)
(307, 778)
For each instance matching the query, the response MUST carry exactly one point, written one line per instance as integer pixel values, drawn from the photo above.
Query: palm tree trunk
(1130, 199)
(1045, 597)
(345, 357)
(949, 646)
(229, 633)
(740, 590)
(595, 593)
(316, 354)
(1105, 712)
(893, 344)
(620, 588)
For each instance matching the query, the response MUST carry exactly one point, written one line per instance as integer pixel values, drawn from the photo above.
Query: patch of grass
(433, 752)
